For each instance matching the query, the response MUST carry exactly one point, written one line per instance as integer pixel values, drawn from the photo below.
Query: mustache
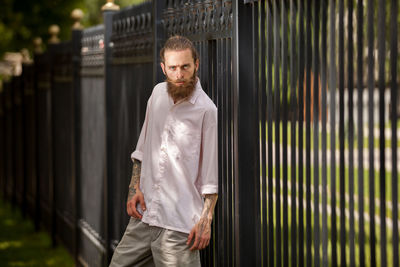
(177, 81)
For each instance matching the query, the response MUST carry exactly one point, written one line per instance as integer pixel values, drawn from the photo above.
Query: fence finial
(37, 45)
(54, 30)
(26, 58)
(77, 15)
(110, 6)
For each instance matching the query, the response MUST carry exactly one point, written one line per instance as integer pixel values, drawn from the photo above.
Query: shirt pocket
(188, 141)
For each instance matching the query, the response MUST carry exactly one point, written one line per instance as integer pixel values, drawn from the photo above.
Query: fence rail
(308, 109)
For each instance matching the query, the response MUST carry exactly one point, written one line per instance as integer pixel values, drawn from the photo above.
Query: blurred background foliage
(23, 20)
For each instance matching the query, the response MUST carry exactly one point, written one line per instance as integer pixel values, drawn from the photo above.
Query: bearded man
(174, 185)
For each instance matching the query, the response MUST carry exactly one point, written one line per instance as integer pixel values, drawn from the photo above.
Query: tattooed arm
(202, 230)
(134, 194)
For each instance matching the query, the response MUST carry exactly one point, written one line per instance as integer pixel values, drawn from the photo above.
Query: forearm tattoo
(135, 180)
(209, 205)
(204, 224)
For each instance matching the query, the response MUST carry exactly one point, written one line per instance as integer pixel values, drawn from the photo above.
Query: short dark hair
(178, 43)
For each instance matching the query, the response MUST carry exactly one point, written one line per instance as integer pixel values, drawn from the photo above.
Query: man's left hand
(201, 233)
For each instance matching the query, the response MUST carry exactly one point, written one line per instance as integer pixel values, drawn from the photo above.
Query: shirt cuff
(209, 189)
(137, 155)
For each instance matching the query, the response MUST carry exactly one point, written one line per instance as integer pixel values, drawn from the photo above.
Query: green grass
(20, 245)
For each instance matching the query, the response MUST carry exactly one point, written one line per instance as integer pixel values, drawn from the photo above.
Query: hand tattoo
(202, 230)
(134, 184)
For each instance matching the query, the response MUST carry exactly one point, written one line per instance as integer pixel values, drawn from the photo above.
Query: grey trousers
(144, 245)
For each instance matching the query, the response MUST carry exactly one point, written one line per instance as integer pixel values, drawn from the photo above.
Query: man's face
(179, 66)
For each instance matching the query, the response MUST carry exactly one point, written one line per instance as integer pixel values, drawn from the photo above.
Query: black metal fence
(307, 96)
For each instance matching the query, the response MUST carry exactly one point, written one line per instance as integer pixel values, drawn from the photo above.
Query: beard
(178, 92)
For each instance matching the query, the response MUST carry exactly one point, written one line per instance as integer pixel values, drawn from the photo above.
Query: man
(174, 185)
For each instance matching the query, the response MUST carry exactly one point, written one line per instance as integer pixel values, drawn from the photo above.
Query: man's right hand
(131, 205)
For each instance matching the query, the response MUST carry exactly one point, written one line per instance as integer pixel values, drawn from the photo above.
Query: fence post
(37, 50)
(159, 37)
(76, 38)
(246, 136)
(53, 31)
(2, 142)
(29, 138)
(108, 11)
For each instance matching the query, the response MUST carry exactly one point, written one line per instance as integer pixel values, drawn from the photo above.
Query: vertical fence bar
(271, 244)
(332, 112)
(226, 153)
(8, 141)
(308, 70)
(341, 137)
(221, 259)
(76, 79)
(316, 102)
(285, 218)
(300, 131)
(2, 143)
(394, 117)
(263, 121)
(350, 86)
(247, 135)
(360, 133)
(256, 121)
(324, 233)
(381, 84)
(293, 121)
(108, 183)
(158, 39)
(277, 125)
(371, 87)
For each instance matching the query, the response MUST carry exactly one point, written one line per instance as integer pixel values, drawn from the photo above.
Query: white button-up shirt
(178, 150)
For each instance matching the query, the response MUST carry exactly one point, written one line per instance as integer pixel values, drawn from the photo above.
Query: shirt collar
(196, 92)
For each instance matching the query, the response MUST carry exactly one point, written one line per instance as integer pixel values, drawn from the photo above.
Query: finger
(134, 211)
(128, 209)
(196, 243)
(190, 237)
(201, 244)
(204, 243)
(142, 204)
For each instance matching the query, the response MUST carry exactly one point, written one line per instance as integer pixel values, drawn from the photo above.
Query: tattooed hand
(132, 203)
(135, 196)
(201, 232)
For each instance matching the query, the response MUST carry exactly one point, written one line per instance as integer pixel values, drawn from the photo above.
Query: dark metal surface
(63, 138)
(29, 135)
(91, 149)
(3, 184)
(44, 158)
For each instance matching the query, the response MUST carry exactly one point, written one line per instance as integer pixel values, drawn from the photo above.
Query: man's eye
(172, 68)
(185, 67)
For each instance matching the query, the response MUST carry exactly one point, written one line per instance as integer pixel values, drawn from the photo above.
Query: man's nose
(179, 74)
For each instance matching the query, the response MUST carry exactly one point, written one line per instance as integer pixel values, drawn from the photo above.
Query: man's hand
(201, 232)
(131, 205)
(135, 196)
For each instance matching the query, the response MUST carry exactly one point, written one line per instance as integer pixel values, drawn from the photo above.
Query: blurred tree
(22, 20)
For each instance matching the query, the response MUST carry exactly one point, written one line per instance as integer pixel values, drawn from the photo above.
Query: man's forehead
(178, 56)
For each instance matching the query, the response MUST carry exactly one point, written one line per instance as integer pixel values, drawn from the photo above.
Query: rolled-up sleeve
(208, 176)
(138, 153)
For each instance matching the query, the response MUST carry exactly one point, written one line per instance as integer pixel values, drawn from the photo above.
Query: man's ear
(197, 64)
(163, 68)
